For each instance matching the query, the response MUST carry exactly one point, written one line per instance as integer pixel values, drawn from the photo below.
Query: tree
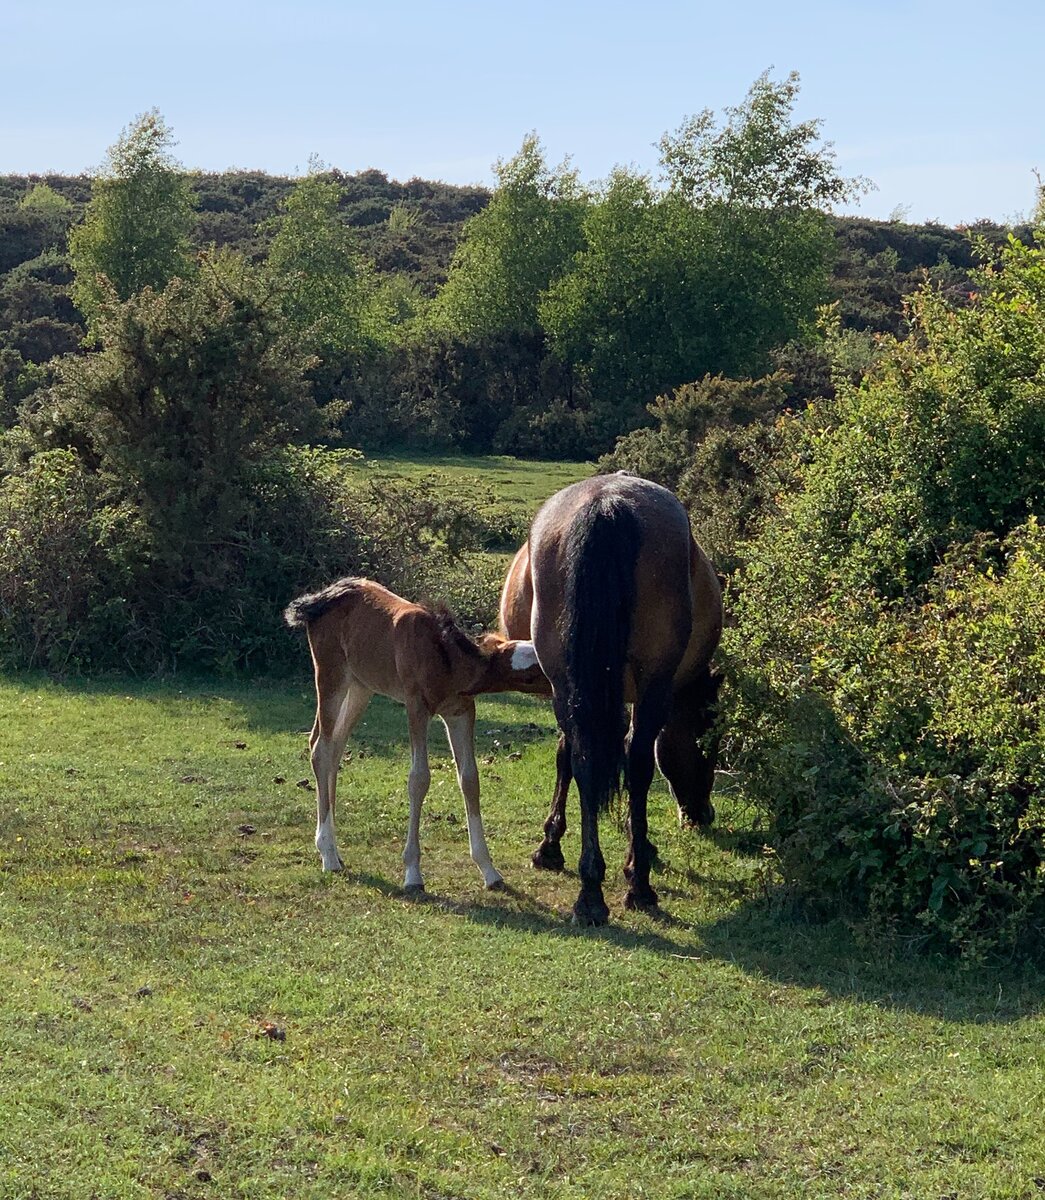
(710, 275)
(327, 285)
(514, 249)
(757, 159)
(194, 386)
(135, 232)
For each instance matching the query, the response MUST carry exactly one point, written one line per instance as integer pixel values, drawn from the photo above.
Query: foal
(365, 639)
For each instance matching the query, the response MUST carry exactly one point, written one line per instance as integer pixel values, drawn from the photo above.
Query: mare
(623, 606)
(365, 640)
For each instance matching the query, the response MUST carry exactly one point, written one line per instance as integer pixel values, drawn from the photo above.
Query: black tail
(602, 554)
(306, 609)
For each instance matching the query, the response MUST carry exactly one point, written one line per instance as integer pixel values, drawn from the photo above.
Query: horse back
(677, 619)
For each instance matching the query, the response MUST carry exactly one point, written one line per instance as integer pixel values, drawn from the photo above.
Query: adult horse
(623, 606)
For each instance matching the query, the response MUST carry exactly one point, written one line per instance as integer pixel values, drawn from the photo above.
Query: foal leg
(418, 719)
(460, 729)
(548, 855)
(340, 704)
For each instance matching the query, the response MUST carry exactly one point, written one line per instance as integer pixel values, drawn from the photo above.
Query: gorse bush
(716, 444)
(168, 520)
(68, 557)
(887, 714)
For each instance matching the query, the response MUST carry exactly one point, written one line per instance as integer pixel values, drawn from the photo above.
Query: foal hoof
(548, 857)
(641, 901)
(591, 911)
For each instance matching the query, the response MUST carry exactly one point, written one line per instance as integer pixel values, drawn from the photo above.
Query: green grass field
(514, 480)
(189, 1008)
(160, 901)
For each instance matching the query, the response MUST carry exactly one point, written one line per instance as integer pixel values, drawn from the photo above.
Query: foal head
(511, 666)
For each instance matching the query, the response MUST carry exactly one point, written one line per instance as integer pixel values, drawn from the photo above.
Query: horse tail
(602, 552)
(306, 610)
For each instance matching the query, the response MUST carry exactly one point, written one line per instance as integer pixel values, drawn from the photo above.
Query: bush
(169, 522)
(83, 586)
(887, 712)
(716, 444)
(67, 557)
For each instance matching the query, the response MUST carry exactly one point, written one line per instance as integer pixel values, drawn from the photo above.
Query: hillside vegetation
(186, 393)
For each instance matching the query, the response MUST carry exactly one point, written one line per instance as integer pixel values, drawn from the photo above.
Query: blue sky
(940, 104)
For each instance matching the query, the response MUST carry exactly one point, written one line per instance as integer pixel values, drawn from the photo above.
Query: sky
(939, 104)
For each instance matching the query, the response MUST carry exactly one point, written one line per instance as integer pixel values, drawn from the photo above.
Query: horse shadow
(773, 937)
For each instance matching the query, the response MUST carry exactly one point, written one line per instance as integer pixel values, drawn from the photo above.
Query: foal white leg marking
(417, 788)
(324, 764)
(461, 732)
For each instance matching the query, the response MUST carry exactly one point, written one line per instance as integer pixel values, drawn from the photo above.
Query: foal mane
(451, 635)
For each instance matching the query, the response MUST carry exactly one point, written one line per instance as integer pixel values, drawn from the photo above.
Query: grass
(521, 482)
(161, 901)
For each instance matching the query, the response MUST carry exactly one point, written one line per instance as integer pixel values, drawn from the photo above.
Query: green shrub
(887, 712)
(170, 522)
(66, 559)
(717, 445)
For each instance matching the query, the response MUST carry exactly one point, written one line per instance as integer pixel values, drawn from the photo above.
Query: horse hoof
(548, 858)
(590, 912)
(641, 901)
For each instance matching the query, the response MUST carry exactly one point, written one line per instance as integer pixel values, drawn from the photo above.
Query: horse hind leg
(548, 855)
(340, 704)
(418, 781)
(460, 729)
(647, 719)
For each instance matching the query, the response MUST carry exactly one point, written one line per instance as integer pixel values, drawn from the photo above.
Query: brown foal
(365, 640)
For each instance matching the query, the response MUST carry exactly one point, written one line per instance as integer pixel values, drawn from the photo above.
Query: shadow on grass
(770, 941)
(776, 941)
(287, 706)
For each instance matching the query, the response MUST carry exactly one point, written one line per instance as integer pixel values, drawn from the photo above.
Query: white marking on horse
(524, 656)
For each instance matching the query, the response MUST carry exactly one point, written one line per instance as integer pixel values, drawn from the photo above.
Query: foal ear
(524, 656)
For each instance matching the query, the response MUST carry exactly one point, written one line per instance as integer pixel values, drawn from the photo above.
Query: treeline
(541, 318)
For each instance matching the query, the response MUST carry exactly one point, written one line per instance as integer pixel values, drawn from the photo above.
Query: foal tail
(602, 553)
(305, 610)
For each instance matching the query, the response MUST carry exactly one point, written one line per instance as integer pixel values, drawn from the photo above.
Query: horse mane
(451, 635)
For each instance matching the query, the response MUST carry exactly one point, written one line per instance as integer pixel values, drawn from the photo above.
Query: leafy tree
(514, 249)
(49, 207)
(193, 385)
(757, 158)
(711, 275)
(135, 232)
(327, 286)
